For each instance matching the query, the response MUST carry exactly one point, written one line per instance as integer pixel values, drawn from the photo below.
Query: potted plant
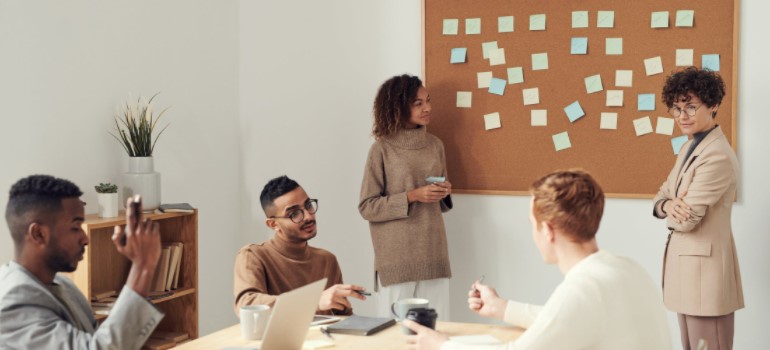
(135, 126)
(107, 195)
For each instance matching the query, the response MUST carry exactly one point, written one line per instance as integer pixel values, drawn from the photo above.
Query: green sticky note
(574, 111)
(505, 24)
(659, 19)
(515, 75)
(540, 61)
(579, 46)
(711, 62)
(486, 47)
(472, 26)
(605, 19)
(579, 19)
(561, 141)
(646, 102)
(613, 46)
(450, 26)
(594, 84)
(684, 18)
(537, 22)
(497, 86)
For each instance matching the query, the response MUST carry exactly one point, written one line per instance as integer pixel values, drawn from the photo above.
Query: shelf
(95, 222)
(177, 294)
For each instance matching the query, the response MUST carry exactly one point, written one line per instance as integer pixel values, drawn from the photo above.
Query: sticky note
(614, 98)
(472, 26)
(450, 26)
(579, 19)
(579, 46)
(561, 141)
(458, 55)
(642, 126)
(574, 111)
(710, 62)
(646, 102)
(653, 66)
(677, 143)
(623, 78)
(537, 22)
(531, 96)
(684, 57)
(659, 19)
(464, 99)
(505, 24)
(515, 75)
(540, 61)
(483, 79)
(605, 19)
(539, 117)
(684, 18)
(496, 57)
(609, 121)
(613, 46)
(497, 86)
(665, 126)
(486, 47)
(593, 84)
(491, 121)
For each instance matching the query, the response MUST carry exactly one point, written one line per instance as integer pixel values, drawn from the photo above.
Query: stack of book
(176, 208)
(169, 266)
(160, 340)
(102, 303)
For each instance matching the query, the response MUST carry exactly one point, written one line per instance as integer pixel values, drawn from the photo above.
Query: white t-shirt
(605, 302)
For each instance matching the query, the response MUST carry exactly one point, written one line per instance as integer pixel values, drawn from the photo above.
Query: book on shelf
(173, 267)
(176, 208)
(170, 335)
(169, 267)
(158, 344)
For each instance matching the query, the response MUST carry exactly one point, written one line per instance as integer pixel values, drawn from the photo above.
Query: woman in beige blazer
(701, 278)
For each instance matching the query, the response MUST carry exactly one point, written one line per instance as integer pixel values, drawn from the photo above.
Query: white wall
(64, 66)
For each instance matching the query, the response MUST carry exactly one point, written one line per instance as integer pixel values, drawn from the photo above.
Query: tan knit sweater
(264, 271)
(409, 239)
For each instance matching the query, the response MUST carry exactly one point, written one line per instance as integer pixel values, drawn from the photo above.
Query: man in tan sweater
(286, 262)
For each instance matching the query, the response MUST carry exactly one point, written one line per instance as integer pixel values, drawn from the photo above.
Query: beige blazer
(700, 265)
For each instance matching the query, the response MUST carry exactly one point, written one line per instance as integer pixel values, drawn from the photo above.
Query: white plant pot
(108, 205)
(142, 179)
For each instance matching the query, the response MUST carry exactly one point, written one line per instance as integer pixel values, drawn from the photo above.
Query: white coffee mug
(254, 321)
(401, 307)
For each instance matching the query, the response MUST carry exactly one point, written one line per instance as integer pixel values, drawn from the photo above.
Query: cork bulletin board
(631, 160)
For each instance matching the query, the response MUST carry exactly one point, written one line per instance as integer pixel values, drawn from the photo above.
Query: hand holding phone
(435, 179)
(134, 216)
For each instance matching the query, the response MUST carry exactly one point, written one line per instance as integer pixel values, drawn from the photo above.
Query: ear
(714, 111)
(271, 224)
(38, 233)
(550, 235)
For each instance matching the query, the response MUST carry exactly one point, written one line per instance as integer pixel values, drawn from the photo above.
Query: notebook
(361, 325)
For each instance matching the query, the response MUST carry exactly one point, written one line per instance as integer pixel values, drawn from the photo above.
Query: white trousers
(436, 291)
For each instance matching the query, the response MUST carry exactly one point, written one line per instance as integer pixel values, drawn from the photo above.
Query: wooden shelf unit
(103, 269)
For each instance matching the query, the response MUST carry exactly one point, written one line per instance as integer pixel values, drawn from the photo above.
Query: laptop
(291, 317)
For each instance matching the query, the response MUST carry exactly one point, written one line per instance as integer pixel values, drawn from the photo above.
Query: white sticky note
(505, 24)
(496, 57)
(450, 26)
(593, 84)
(486, 47)
(665, 126)
(483, 79)
(464, 99)
(579, 19)
(540, 61)
(531, 96)
(659, 19)
(623, 78)
(684, 57)
(653, 66)
(492, 121)
(537, 22)
(685, 18)
(515, 75)
(614, 98)
(539, 117)
(472, 26)
(643, 126)
(613, 46)
(605, 19)
(609, 121)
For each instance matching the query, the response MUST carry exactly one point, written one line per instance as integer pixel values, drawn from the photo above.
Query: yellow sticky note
(492, 121)
(613, 46)
(505, 24)
(561, 141)
(653, 65)
(486, 47)
(515, 75)
(642, 126)
(483, 79)
(464, 99)
(684, 57)
(665, 126)
(614, 98)
(623, 78)
(539, 117)
(450, 26)
(593, 84)
(609, 121)
(537, 22)
(531, 96)
(472, 26)
(496, 57)
(540, 61)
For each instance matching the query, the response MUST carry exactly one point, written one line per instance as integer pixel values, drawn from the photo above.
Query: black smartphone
(136, 211)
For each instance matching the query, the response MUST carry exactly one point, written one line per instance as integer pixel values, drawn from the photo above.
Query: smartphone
(136, 211)
(435, 179)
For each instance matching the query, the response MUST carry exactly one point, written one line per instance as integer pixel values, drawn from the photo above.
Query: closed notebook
(361, 325)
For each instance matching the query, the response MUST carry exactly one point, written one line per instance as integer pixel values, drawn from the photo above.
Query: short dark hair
(570, 200)
(392, 106)
(704, 83)
(41, 194)
(275, 188)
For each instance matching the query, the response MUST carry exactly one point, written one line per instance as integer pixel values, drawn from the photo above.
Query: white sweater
(605, 302)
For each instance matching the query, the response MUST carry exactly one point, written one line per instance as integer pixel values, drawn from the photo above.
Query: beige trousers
(717, 331)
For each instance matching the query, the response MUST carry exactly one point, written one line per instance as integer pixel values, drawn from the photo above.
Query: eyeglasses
(676, 112)
(298, 215)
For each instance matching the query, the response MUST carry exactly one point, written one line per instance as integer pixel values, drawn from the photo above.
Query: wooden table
(390, 338)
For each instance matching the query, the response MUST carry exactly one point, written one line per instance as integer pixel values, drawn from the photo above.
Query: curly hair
(570, 200)
(275, 188)
(392, 106)
(704, 83)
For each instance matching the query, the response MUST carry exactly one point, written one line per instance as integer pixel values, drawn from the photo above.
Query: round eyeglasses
(690, 110)
(297, 215)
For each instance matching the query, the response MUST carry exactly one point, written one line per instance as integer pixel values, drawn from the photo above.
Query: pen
(363, 293)
(326, 333)
(480, 280)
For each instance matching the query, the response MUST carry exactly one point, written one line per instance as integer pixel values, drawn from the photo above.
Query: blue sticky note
(646, 102)
(579, 46)
(458, 55)
(677, 142)
(710, 62)
(497, 86)
(574, 111)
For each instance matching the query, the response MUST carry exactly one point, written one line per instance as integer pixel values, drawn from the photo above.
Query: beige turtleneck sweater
(263, 271)
(409, 239)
